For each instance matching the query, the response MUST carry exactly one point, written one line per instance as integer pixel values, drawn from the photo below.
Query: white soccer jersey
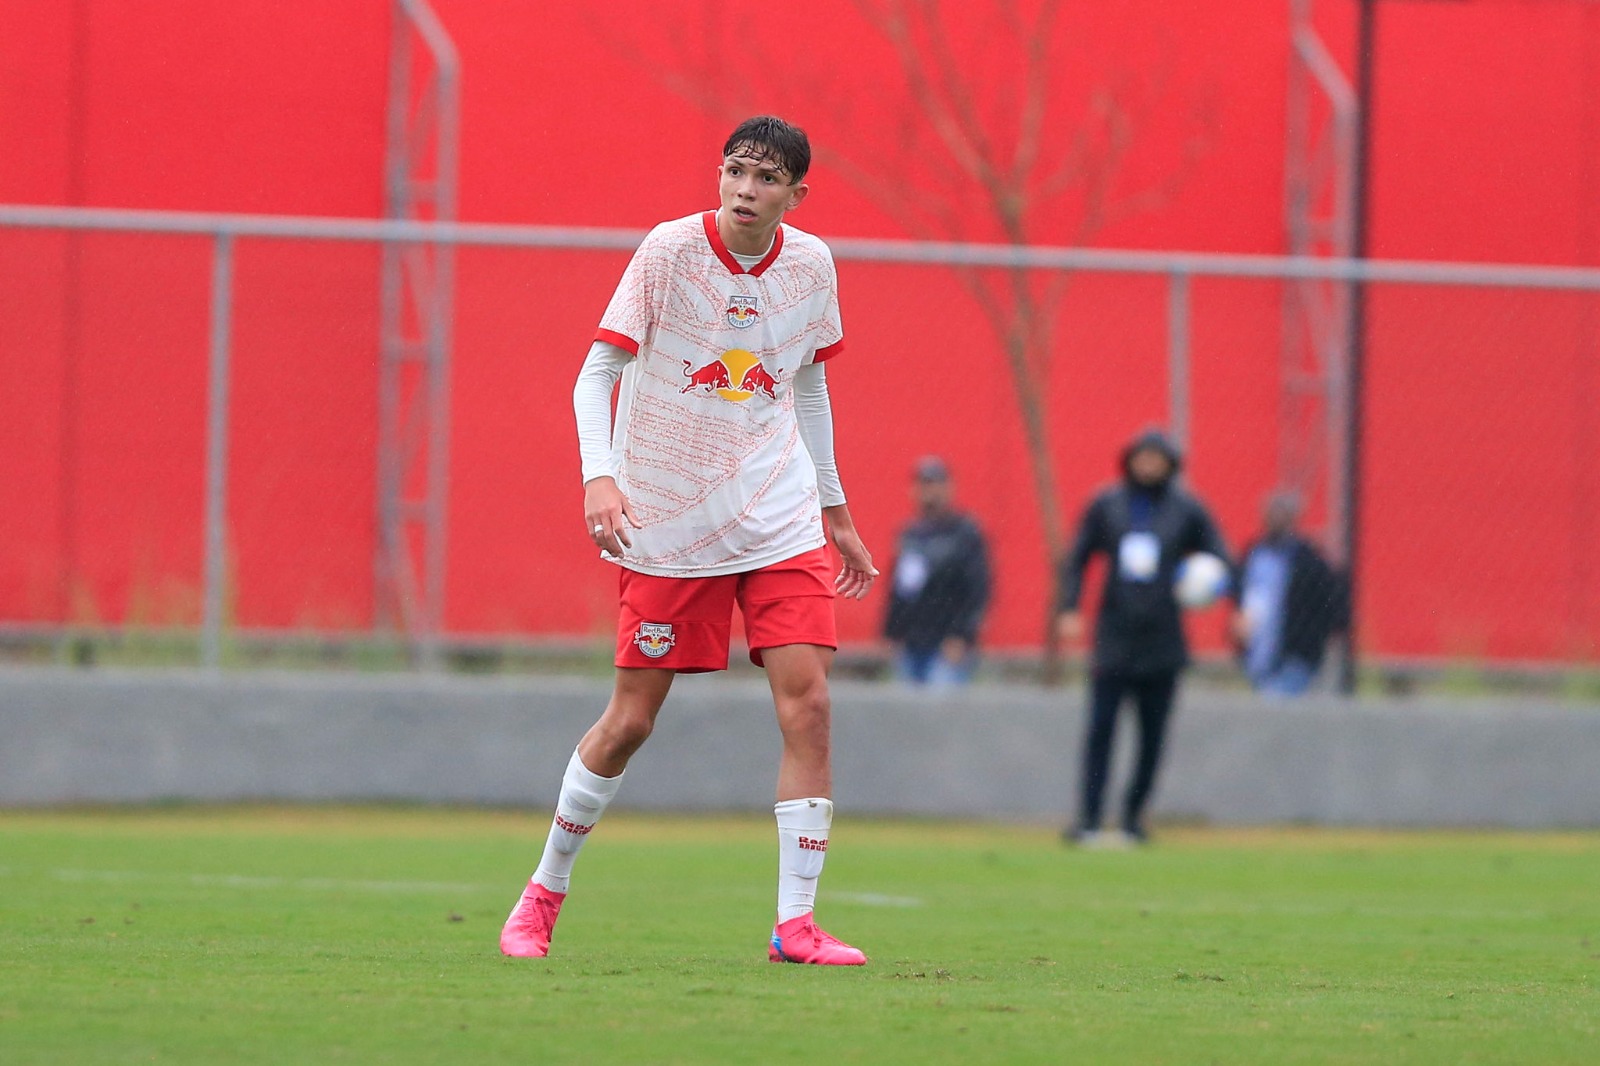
(707, 445)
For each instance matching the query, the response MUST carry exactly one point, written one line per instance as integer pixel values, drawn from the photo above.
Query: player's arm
(1069, 574)
(606, 512)
(814, 412)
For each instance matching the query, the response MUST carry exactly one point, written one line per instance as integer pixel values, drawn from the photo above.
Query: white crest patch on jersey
(743, 311)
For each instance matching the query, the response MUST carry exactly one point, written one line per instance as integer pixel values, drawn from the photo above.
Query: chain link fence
(192, 441)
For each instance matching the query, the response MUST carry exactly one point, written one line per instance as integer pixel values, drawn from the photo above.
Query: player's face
(755, 194)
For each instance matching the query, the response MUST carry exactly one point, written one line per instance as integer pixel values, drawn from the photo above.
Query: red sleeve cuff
(621, 340)
(824, 354)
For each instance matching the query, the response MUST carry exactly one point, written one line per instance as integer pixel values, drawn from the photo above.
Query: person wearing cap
(1292, 601)
(941, 585)
(1144, 526)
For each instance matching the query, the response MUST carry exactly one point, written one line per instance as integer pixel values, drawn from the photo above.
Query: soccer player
(717, 486)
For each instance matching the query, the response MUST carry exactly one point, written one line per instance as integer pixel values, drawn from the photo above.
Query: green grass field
(339, 935)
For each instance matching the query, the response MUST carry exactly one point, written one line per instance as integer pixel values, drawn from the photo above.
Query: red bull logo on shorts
(655, 639)
(719, 376)
(743, 311)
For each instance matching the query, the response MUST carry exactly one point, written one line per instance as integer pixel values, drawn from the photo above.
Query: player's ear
(797, 194)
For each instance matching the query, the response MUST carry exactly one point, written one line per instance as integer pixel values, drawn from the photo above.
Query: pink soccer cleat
(799, 940)
(527, 932)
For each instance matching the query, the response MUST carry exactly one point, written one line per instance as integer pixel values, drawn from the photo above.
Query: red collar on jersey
(710, 220)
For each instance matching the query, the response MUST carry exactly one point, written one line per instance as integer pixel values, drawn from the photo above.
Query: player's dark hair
(767, 137)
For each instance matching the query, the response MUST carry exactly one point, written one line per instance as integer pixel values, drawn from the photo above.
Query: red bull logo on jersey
(655, 639)
(718, 377)
(743, 311)
(711, 377)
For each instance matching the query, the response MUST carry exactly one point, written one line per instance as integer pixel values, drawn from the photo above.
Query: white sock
(584, 796)
(802, 845)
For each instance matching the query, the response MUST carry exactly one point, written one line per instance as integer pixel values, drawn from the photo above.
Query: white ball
(1202, 580)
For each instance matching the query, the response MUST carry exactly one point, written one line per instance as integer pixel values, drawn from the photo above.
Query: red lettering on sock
(572, 827)
(808, 844)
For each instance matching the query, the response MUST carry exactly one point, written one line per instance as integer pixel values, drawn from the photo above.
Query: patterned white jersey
(706, 441)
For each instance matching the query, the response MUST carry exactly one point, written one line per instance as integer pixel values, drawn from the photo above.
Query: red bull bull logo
(756, 379)
(714, 375)
(736, 365)
(743, 311)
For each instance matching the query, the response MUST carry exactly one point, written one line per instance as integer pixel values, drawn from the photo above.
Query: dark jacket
(1139, 629)
(1316, 604)
(953, 562)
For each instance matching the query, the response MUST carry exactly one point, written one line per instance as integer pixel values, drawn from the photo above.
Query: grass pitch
(337, 935)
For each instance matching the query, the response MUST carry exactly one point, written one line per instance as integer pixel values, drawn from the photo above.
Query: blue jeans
(926, 666)
(1291, 678)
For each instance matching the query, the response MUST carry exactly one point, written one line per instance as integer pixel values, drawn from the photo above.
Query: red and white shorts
(684, 623)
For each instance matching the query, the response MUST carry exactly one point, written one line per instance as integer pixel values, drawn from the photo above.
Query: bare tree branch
(1001, 187)
(896, 26)
(1036, 92)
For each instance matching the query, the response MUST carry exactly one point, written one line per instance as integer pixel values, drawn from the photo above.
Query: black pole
(1366, 46)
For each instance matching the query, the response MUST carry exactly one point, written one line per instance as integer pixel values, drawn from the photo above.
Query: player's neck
(740, 243)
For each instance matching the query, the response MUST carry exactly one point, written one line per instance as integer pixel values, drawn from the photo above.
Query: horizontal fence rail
(933, 253)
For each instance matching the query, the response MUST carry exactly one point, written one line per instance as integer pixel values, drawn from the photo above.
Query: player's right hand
(608, 515)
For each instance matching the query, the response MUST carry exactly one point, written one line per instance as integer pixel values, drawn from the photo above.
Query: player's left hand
(856, 577)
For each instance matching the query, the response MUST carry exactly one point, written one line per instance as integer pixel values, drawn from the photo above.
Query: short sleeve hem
(621, 340)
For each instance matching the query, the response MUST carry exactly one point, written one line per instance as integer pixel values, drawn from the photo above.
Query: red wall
(1481, 440)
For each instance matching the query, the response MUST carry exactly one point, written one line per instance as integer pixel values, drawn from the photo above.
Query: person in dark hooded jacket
(1144, 526)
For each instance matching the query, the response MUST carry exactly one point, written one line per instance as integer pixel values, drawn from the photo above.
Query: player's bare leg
(798, 674)
(627, 722)
(591, 780)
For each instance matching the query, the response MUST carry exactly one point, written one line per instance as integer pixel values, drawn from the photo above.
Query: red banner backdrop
(1481, 450)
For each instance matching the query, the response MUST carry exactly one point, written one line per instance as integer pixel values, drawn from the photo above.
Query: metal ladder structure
(416, 308)
(1320, 176)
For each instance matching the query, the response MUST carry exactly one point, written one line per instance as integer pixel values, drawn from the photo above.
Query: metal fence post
(216, 563)
(1178, 358)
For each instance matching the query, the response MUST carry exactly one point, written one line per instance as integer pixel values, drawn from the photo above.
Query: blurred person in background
(1292, 602)
(941, 585)
(1144, 526)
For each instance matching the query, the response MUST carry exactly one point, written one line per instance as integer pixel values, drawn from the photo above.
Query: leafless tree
(1015, 152)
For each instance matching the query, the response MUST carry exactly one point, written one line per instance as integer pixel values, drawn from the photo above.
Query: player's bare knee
(633, 730)
(621, 733)
(806, 715)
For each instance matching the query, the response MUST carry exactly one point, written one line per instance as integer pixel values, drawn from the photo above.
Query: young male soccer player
(713, 490)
